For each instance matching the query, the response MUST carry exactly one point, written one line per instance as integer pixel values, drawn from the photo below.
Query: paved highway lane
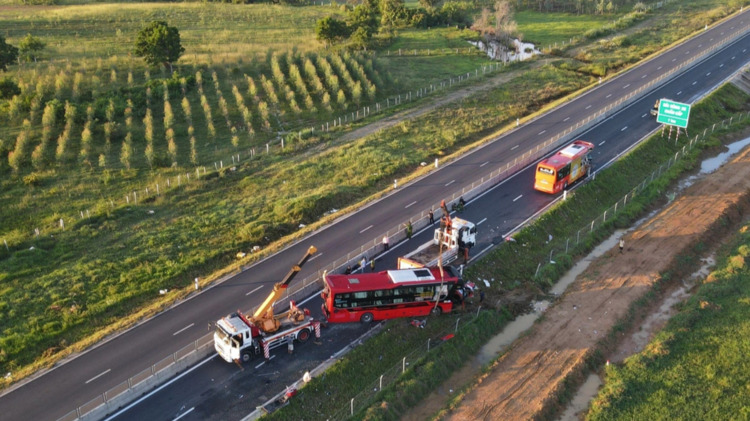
(83, 378)
(497, 212)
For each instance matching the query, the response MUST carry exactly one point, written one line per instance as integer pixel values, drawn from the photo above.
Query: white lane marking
(257, 289)
(480, 222)
(608, 95)
(721, 65)
(484, 164)
(514, 147)
(183, 329)
(450, 182)
(186, 412)
(410, 204)
(566, 119)
(588, 106)
(98, 375)
(694, 83)
(628, 85)
(315, 257)
(644, 115)
(658, 68)
(520, 196)
(365, 229)
(644, 76)
(603, 142)
(160, 388)
(259, 365)
(708, 74)
(733, 57)
(624, 128)
(679, 93)
(674, 59)
(541, 133)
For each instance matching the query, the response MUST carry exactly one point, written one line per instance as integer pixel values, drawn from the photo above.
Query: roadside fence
(369, 394)
(311, 284)
(560, 247)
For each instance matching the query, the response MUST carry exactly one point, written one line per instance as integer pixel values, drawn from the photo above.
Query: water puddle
(634, 343)
(638, 340)
(710, 165)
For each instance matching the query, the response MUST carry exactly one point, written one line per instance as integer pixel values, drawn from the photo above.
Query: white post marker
(436, 162)
(395, 184)
(196, 284)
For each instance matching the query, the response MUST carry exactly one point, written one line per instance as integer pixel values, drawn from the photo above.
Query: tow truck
(239, 338)
(454, 237)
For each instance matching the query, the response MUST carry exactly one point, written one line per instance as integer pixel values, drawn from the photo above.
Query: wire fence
(365, 397)
(560, 247)
(311, 284)
(368, 394)
(163, 184)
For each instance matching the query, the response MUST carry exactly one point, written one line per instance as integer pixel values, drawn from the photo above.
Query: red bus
(564, 168)
(391, 294)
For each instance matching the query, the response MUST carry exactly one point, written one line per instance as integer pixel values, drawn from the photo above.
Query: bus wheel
(303, 335)
(366, 318)
(246, 355)
(436, 311)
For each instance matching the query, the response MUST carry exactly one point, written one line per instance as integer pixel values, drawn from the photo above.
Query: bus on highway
(392, 293)
(564, 168)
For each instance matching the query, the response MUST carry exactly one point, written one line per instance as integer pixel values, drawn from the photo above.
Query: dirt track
(524, 382)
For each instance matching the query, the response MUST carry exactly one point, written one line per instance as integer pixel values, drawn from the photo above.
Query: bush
(8, 88)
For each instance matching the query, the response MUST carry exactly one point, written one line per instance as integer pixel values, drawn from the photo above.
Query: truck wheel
(303, 335)
(246, 356)
(436, 311)
(366, 318)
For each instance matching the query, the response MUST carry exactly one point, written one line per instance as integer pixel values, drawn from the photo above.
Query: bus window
(564, 171)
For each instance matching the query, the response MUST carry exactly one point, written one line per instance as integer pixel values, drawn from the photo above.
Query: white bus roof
(572, 150)
(410, 275)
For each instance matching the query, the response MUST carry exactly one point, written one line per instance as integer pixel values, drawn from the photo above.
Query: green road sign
(673, 113)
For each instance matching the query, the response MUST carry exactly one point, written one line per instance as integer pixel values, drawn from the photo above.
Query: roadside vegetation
(85, 124)
(697, 364)
(511, 267)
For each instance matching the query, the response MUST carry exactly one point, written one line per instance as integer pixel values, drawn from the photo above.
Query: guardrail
(120, 395)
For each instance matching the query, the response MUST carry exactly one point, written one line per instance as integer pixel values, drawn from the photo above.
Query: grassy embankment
(168, 248)
(696, 367)
(588, 203)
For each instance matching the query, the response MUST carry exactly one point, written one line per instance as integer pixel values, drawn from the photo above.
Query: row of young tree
(69, 117)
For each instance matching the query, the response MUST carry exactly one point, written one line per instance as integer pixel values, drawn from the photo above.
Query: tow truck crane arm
(263, 317)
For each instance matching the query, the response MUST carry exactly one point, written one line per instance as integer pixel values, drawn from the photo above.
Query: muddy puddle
(634, 343)
(637, 340)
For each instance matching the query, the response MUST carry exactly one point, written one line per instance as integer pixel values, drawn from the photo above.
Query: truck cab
(466, 233)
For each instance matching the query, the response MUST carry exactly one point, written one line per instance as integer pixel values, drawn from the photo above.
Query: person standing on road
(408, 230)
(363, 264)
(432, 217)
(622, 244)
(372, 265)
(386, 246)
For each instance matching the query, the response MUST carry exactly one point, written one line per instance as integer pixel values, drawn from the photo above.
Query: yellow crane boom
(263, 317)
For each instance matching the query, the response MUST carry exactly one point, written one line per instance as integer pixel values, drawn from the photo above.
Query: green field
(696, 367)
(129, 129)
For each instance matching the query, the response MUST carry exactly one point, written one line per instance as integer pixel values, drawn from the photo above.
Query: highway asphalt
(498, 212)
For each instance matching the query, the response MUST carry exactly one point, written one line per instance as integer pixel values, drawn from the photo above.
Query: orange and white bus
(564, 168)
